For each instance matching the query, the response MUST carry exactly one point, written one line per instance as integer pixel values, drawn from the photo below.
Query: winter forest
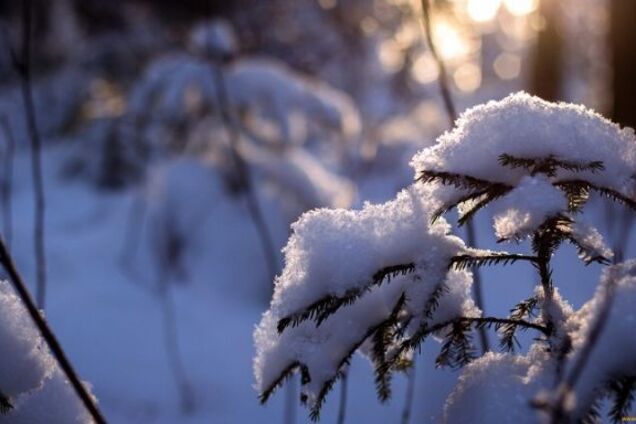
(334, 211)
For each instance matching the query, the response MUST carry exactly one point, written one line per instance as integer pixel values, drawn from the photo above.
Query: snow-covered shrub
(383, 278)
(179, 89)
(32, 387)
(281, 120)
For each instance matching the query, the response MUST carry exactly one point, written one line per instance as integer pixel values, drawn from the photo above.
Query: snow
(29, 375)
(591, 240)
(108, 318)
(179, 86)
(492, 389)
(527, 127)
(526, 208)
(26, 361)
(278, 92)
(396, 232)
(301, 176)
(55, 401)
(378, 236)
(215, 37)
(614, 353)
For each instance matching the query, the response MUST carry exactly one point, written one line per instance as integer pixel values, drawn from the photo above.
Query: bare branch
(7, 183)
(48, 336)
(23, 68)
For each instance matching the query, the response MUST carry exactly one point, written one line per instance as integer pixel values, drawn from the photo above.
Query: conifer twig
(48, 335)
(452, 117)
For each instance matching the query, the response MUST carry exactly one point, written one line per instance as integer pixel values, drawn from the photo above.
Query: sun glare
(521, 7)
(482, 10)
(450, 42)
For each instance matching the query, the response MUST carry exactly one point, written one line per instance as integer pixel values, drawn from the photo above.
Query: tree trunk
(623, 49)
(548, 55)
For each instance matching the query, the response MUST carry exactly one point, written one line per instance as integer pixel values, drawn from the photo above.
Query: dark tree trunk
(623, 50)
(548, 55)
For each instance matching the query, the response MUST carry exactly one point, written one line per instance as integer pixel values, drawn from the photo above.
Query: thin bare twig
(342, 407)
(171, 343)
(290, 402)
(134, 228)
(410, 392)
(451, 111)
(233, 133)
(559, 413)
(7, 183)
(48, 336)
(170, 252)
(244, 172)
(23, 68)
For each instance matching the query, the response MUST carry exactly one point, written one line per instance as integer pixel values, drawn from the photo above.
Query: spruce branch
(457, 180)
(467, 261)
(564, 232)
(49, 337)
(583, 188)
(457, 348)
(470, 197)
(524, 309)
(323, 308)
(585, 254)
(622, 390)
(451, 112)
(593, 414)
(5, 404)
(549, 165)
(432, 303)
(544, 245)
(380, 342)
(285, 374)
(576, 194)
(424, 330)
(493, 193)
(391, 320)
